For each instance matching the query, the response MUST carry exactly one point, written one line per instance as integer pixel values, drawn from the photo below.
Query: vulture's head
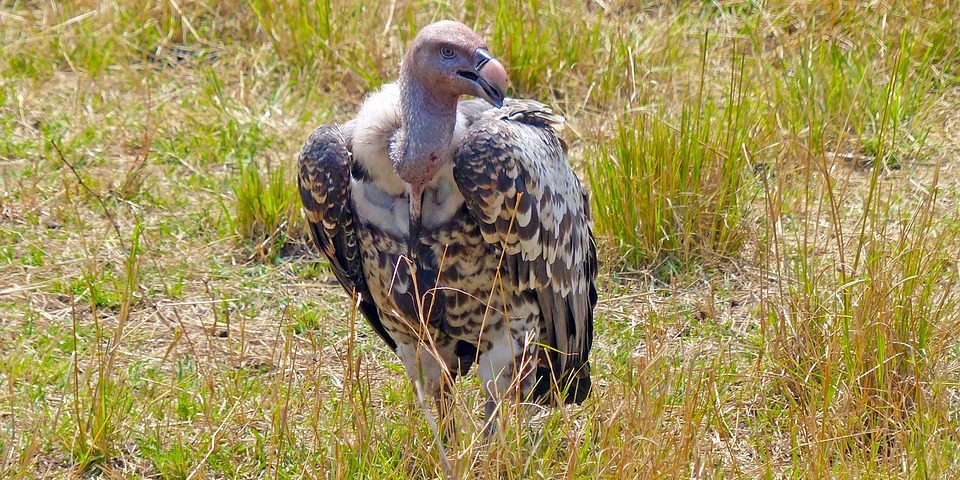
(449, 60)
(445, 60)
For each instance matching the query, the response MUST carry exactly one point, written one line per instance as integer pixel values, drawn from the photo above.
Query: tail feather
(571, 386)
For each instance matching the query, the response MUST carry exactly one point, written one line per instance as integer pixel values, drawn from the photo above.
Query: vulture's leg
(506, 371)
(429, 373)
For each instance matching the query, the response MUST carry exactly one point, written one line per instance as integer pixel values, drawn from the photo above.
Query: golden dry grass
(790, 311)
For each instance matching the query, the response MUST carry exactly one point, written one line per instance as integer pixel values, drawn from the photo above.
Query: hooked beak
(488, 77)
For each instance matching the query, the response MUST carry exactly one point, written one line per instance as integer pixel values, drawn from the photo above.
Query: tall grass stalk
(851, 344)
(825, 347)
(101, 400)
(675, 189)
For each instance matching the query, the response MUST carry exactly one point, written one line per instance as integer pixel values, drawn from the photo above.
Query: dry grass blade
(775, 185)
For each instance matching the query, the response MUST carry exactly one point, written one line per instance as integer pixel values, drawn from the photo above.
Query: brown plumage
(459, 225)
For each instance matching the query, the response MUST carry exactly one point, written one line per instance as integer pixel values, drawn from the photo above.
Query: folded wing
(513, 172)
(325, 162)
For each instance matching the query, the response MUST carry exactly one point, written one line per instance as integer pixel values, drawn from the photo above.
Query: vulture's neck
(426, 122)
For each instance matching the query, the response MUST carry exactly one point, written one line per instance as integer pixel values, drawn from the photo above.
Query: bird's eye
(447, 52)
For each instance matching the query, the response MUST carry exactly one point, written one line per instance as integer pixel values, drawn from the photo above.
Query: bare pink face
(451, 60)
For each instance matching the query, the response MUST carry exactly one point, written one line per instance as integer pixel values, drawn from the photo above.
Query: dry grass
(775, 185)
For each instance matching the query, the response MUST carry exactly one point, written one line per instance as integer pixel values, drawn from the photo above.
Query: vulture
(458, 226)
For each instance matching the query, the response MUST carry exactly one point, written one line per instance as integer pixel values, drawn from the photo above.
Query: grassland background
(775, 187)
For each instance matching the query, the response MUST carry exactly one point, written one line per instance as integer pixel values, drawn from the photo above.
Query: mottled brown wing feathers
(324, 178)
(512, 170)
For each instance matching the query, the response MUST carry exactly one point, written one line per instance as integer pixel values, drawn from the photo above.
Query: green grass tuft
(265, 207)
(775, 194)
(677, 189)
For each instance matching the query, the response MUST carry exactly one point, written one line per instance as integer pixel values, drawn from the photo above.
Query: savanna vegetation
(775, 189)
